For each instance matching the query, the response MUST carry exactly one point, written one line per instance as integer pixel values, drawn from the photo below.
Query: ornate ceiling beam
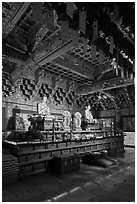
(31, 64)
(13, 55)
(104, 72)
(14, 19)
(107, 94)
(68, 69)
(99, 87)
(67, 46)
(21, 11)
(76, 65)
(119, 86)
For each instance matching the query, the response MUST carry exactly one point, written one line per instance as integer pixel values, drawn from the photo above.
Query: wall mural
(26, 93)
(31, 90)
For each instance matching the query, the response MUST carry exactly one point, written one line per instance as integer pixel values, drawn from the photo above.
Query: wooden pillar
(118, 126)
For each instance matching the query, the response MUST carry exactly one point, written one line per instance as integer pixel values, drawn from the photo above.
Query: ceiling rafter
(98, 87)
(65, 47)
(14, 19)
(64, 71)
(42, 56)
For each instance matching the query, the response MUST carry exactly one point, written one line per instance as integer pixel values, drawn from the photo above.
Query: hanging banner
(131, 76)
(82, 21)
(122, 73)
(101, 56)
(116, 11)
(133, 65)
(116, 71)
(109, 64)
(93, 52)
(37, 11)
(70, 9)
(85, 45)
(75, 38)
(111, 44)
(64, 30)
(50, 19)
(95, 30)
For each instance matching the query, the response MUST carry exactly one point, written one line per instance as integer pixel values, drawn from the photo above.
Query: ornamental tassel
(84, 41)
(116, 71)
(117, 64)
(82, 21)
(116, 11)
(95, 30)
(64, 30)
(131, 76)
(37, 11)
(101, 56)
(122, 73)
(133, 65)
(75, 38)
(93, 52)
(111, 44)
(70, 9)
(50, 19)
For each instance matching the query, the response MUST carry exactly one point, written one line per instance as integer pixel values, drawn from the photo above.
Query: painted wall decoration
(26, 93)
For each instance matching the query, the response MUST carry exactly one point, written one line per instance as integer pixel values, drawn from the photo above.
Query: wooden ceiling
(25, 40)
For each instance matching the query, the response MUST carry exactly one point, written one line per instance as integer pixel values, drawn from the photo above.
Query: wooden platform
(10, 167)
(34, 157)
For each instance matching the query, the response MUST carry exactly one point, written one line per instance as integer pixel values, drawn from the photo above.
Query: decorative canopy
(87, 43)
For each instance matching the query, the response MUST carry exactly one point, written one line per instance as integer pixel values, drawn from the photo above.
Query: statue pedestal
(78, 129)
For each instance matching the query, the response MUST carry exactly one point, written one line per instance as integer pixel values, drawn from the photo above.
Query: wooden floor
(89, 184)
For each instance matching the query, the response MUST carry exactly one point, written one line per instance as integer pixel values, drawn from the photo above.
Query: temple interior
(68, 101)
